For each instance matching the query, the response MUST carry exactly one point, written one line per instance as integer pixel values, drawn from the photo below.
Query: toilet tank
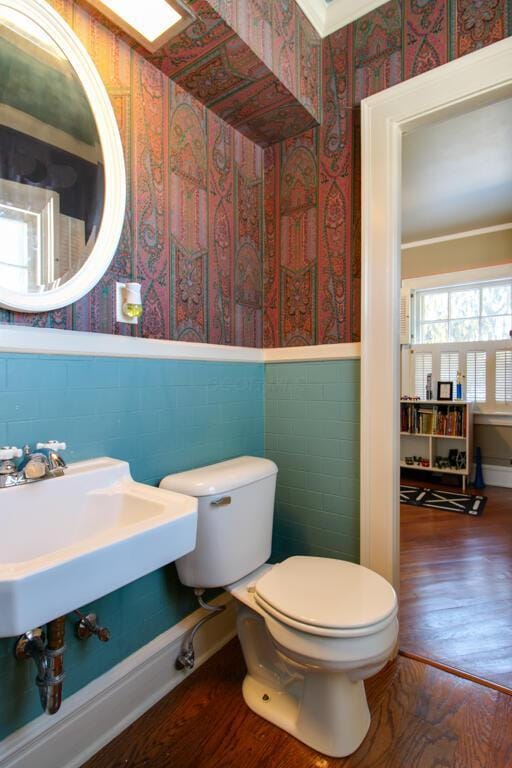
(234, 519)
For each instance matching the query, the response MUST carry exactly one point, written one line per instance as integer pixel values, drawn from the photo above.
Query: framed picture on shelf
(444, 390)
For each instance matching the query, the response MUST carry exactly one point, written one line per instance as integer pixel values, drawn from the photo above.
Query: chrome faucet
(41, 464)
(8, 466)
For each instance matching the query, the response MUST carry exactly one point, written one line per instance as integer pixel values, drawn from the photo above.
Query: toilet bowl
(312, 629)
(308, 653)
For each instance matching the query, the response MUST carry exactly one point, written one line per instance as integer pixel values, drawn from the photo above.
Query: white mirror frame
(115, 178)
(467, 83)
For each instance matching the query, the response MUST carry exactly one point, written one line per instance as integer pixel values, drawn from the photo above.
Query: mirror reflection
(51, 163)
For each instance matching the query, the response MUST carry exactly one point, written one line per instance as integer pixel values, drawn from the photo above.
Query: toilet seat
(327, 597)
(312, 629)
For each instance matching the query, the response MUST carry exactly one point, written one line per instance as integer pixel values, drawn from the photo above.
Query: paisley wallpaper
(312, 280)
(255, 63)
(238, 245)
(284, 39)
(192, 232)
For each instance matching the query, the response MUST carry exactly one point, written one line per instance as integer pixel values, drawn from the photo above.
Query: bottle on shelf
(428, 393)
(458, 387)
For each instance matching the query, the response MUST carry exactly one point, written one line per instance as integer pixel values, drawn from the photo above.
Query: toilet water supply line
(187, 657)
(48, 652)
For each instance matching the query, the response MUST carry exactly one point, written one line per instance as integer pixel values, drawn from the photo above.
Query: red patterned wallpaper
(254, 63)
(312, 281)
(194, 215)
(204, 202)
(284, 39)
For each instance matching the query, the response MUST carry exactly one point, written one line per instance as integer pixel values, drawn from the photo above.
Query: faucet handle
(52, 445)
(12, 452)
(35, 469)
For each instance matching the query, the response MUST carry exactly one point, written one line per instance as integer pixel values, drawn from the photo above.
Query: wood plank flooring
(456, 587)
(421, 718)
(456, 608)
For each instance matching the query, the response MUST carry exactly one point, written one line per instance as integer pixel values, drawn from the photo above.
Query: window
(449, 367)
(462, 313)
(28, 223)
(14, 259)
(504, 376)
(476, 384)
(462, 328)
(422, 368)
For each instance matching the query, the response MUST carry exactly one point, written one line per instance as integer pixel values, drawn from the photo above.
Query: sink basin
(69, 540)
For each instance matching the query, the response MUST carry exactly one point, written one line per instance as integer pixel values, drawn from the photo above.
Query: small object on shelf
(457, 460)
(452, 457)
(458, 395)
(429, 387)
(425, 463)
(409, 461)
(445, 390)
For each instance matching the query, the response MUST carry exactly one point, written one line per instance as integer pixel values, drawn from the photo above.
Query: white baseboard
(496, 475)
(93, 716)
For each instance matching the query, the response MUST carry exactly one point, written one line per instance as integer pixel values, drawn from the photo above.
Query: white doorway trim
(467, 83)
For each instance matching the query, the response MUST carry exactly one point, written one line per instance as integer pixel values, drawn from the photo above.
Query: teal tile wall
(165, 416)
(312, 433)
(160, 415)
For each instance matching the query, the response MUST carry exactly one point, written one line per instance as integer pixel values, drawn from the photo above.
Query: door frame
(473, 81)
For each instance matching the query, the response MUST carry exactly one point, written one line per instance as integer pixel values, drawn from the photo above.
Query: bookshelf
(440, 434)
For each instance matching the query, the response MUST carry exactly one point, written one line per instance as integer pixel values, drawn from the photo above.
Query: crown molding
(476, 275)
(316, 12)
(457, 236)
(329, 17)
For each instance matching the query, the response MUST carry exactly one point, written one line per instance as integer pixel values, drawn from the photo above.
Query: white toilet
(311, 628)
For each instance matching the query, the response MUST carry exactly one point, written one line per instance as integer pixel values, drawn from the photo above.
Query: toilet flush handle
(222, 502)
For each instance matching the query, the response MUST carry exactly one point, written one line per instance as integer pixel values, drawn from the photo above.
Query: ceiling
(329, 15)
(457, 174)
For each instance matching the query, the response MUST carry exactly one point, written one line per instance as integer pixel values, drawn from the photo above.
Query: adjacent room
(456, 384)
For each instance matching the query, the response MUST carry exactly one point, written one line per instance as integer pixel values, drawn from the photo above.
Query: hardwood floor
(456, 587)
(421, 718)
(456, 608)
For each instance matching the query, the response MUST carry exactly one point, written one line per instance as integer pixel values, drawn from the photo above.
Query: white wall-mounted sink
(69, 540)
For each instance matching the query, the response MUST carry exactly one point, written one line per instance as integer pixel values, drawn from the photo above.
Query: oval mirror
(62, 178)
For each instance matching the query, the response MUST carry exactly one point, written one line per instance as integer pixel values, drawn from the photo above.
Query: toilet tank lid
(220, 478)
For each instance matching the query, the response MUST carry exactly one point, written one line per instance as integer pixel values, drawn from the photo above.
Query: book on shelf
(444, 420)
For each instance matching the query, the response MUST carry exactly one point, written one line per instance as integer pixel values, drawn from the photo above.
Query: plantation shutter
(448, 367)
(504, 376)
(476, 385)
(422, 367)
(405, 316)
